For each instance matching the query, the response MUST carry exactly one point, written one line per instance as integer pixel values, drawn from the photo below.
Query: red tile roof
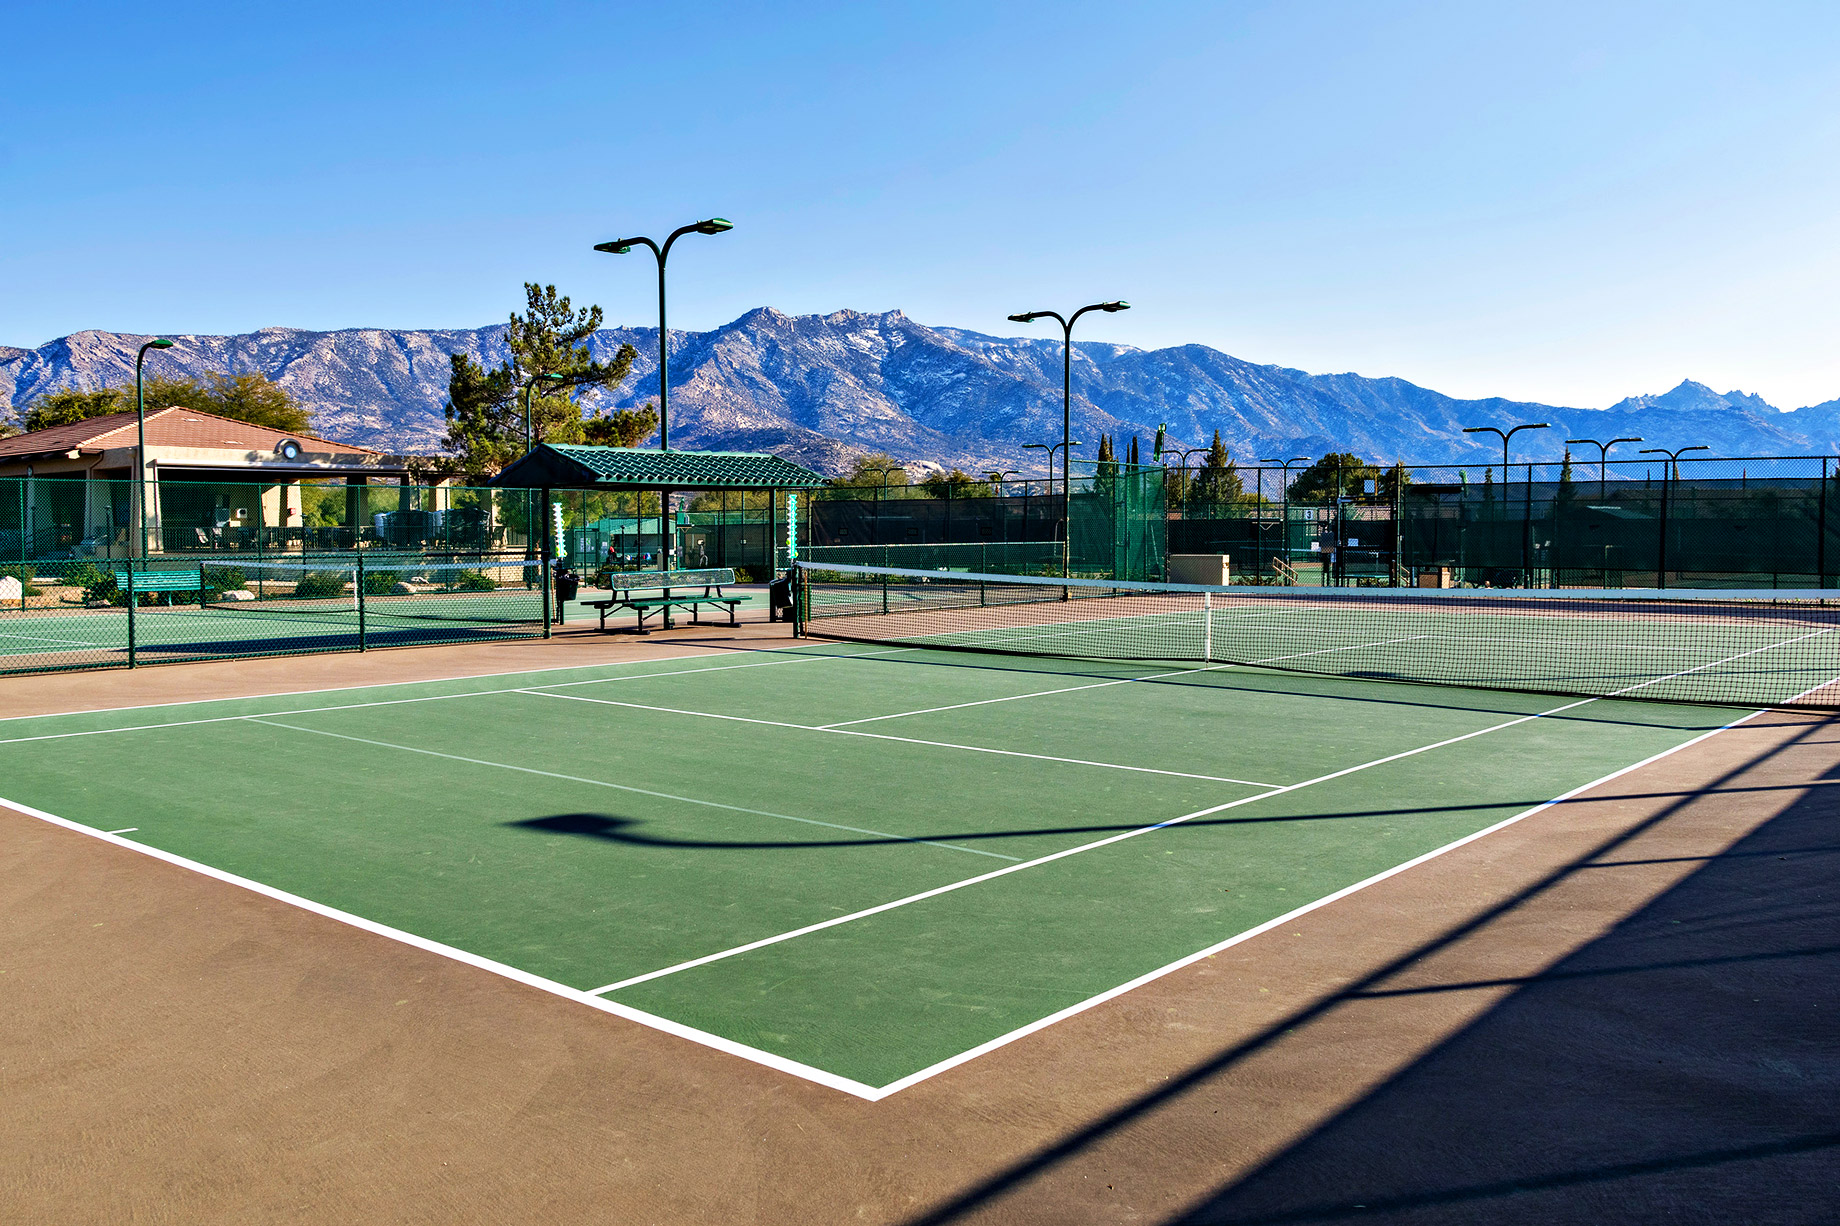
(170, 427)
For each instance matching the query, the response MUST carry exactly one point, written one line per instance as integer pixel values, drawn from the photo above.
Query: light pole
(1527, 519)
(140, 435)
(1603, 451)
(1186, 452)
(1284, 497)
(996, 478)
(1051, 450)
(1667, 488)
(1512, 431)
(1066, 323)
(1066, 501)
(623, 246)
(530, 495)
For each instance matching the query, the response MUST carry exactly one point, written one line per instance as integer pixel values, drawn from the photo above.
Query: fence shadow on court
(1682, 1067)
(628, 830)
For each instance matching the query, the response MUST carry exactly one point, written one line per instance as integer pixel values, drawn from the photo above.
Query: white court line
(984, 702)
(1074, 851)
(516, 672)
(1003, 1040)
(1410, 638)
(39, 638)
(1727, 660)
(394, 702)
(622, 787)
(653, 1021)
(881, 736)
(125, 830)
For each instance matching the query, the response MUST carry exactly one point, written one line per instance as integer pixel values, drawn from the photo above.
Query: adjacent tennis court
(860, 863)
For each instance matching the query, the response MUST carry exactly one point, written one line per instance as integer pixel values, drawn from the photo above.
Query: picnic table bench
(624, 586)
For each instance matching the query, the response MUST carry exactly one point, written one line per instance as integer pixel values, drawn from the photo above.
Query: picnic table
(676, 589)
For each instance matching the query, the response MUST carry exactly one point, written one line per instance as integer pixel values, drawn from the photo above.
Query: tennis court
(859, 863)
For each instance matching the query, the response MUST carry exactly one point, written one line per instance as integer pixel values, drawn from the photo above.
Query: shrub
(318, 584)
(381, 582)
(475, 581)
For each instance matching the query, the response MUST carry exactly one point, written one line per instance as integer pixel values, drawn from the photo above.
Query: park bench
(168, 581)
(624, 588)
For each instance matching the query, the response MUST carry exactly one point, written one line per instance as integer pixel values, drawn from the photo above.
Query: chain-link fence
(71, 613)
(1110, 526)
(1643, 522)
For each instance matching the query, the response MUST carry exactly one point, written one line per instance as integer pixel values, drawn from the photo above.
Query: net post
(357, 588)
(800, 610)
(128, 565)
(1207, 627)
(202, 603)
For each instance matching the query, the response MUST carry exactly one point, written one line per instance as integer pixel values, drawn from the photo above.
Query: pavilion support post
(543, 577)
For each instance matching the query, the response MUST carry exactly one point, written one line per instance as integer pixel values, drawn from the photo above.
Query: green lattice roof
(557, 466)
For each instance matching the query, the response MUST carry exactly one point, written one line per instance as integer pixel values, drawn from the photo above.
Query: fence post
(1667, 482)
(1820, 531)
(359, 586)
(132, 602)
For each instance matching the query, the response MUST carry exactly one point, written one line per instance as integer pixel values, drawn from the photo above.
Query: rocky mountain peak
(826, 388)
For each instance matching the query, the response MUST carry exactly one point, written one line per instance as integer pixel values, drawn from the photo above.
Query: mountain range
(823, 389)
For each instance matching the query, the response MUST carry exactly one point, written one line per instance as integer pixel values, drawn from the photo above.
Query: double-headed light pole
(1067, 443)
(1603, 454)
(662, 252)
(1284, 497)
(140, 438)
(1668, 477)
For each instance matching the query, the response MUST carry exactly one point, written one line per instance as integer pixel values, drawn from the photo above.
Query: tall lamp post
(623, 246)
(140, 436)
(1066, 500)
(1667, 489)
(531, 534)
(1527, 519)
(1284, 497)
(1067, 443)
(1603, 452)
(530, 441)
(996, 489)
(1186, 452)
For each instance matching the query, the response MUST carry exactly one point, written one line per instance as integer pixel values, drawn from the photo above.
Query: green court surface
(857, 864)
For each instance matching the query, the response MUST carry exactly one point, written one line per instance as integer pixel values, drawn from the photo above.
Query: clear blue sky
(1564, 202)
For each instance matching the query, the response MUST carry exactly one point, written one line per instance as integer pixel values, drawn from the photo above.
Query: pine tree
(1218, 482)
(1132, 461)
(485, 409)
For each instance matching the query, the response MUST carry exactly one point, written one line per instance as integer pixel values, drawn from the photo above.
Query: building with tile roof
(206, 476)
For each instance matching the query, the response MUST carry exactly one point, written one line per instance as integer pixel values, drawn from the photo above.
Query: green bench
(623, 587)
(149, 581)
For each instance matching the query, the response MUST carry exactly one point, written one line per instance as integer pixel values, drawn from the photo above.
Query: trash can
(779, 599)
(567, 584)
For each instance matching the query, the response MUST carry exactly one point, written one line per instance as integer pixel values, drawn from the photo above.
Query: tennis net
(388, 588)
(1748, 649)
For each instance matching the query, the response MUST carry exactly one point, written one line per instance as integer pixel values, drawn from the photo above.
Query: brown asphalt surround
(173, 1048)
